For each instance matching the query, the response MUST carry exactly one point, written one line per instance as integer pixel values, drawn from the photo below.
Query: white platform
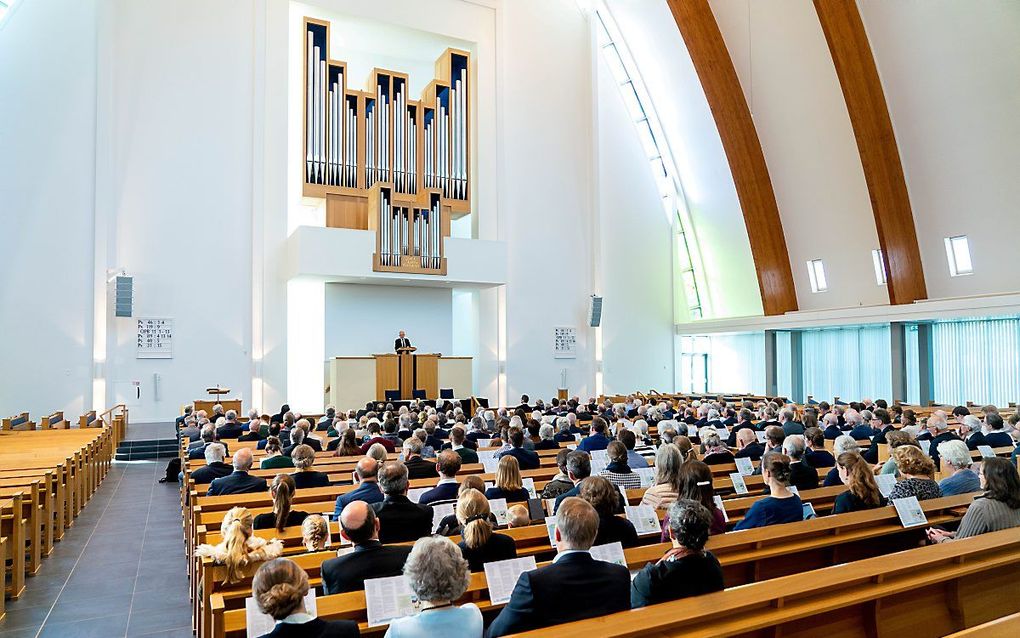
(343, 255)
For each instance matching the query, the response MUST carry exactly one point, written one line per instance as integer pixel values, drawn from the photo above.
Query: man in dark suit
(445, 491)
(575, 586)
(938, 425)
(788, 424)
(459, 443)
(881, 422)
(231, 429)
(214, 466)
(365, 475)
(239, 482)
(400, 520)
(579, 468)
(859, 430)
(524, 404)
(526, 459)
(749, 446)
(598, 439)
(401, 342)
(832, 430)
(196, 450)
(179, 421)
(417, 467)
(802, 475)
(743, 423)
(370, 558)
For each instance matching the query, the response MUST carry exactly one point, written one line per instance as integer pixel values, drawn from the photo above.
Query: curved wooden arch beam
(740, 141)
(876, 141)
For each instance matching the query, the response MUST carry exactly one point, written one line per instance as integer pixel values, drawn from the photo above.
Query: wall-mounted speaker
(595, 311)
(124, 296)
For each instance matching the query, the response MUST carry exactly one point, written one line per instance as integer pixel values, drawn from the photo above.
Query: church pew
(1005, 627)
(926, 591)
(17, 422)
(13, 527)
(32, 505)
(747, 557)
(54, 421)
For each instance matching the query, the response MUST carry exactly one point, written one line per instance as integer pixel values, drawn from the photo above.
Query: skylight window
(878, 257)
(958, 254)
(816, 272)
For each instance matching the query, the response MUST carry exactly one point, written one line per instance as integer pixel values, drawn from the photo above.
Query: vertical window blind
(976, 361)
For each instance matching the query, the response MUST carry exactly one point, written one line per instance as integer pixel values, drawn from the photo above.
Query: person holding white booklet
(782, 505)
(279, 588)
(438, 576)
(604, 497)
(686, 569)
(480, 544)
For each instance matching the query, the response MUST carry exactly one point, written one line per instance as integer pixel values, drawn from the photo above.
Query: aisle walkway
(95, 584)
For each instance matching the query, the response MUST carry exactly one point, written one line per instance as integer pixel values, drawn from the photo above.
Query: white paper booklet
(738, 483)
(259, 624)
(644, 519)
(439, 512)
(498, 508)
(610, 553)
(744, 466)
(550, 528)
(387, 599)
(986, 451)
(647, 475)
(501, 577)
(886, 483)
(415, 494)
(910, 512)
(722, 508)
(529, 484)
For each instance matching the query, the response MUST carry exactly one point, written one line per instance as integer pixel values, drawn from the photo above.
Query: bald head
(367, 469)
(745, 437)
(242, 459)
(359, 523)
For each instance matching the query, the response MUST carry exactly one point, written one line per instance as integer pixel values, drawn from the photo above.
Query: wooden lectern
(406, 372)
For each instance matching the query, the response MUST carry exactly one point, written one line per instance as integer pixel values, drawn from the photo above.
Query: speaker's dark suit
(574, 587)
(401, 521)
(371, 560)
(237, 483)
(401, 343)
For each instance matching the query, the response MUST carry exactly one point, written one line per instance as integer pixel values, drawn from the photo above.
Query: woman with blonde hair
(305, 476)
(449, 526)
(668, 461)
(279, 589)
(315, 533)
(282, 492)
(480, 544)
(862, 490)
(239, 547)
(917, 473)
(508, 482)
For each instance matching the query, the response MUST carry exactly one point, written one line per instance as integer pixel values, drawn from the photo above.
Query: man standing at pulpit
(401, 342)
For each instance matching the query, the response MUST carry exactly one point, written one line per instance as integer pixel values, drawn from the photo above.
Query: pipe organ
(385, 160)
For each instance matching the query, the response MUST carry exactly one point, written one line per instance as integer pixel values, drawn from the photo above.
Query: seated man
(365, 475)
(399, 518)
(832, 430)
(445, 491)
(370, 558)
(575, 586)
(197, 449)
(231, 429)
(748, 445)
(459, 444)
(417, 467)
(527, 459)
(629, 440)
(817, 456)
(214, 465)
(563, 434)
(598, 439)
(239, 482)
(376, 437)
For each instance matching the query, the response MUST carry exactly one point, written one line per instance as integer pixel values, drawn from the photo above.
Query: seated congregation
(560, 483)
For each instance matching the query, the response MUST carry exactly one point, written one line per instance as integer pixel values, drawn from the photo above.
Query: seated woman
(315, 533)
(842, 444)
(666, 484)
(279, 588)
(239, 547)
(817, 456)
(782, 505)
(695, 484)
(346, 445)
(862, 490)
(480, 545)
(304, 457)
(716, 452)
(997, 509)
(438, 576)
(895, 439)
(605, 498)
(274, 458)
(282, 492)
(916, 472)
(547, 438)
(449, 525)
(618, 471)
(508, 482)
(686, 569)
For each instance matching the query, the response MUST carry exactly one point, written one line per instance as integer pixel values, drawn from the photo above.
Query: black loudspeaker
(124, 296)
(595, 311)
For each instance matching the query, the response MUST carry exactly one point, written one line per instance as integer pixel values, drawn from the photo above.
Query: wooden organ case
(385, 162)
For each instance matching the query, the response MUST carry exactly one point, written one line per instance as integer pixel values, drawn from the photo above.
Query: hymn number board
(564, 342)
(155, 338)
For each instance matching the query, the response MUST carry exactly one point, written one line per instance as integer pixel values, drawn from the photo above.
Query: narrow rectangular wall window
(878, 257)
(958, 254)
(816, 272)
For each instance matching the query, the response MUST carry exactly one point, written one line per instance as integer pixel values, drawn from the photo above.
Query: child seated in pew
(279, 588)
(239, 547)
(315, 533)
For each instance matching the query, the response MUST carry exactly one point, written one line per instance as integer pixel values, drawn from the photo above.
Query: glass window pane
(961, 251)
(878, 259)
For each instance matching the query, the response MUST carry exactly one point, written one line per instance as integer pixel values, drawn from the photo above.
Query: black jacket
(210, 472)
(400, 520)
(401, 343)
(973, 441)
(499, 547)
(616, 528)
(237, 483)
(370, 560)
(420, 468)
(573, 588)
(229, 430)
(315, 628)
(753, 451)
(803, 476)
(691, 575)
(998, 439)
(310, 479)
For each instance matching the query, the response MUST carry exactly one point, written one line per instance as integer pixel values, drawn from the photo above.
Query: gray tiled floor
(95, 584)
